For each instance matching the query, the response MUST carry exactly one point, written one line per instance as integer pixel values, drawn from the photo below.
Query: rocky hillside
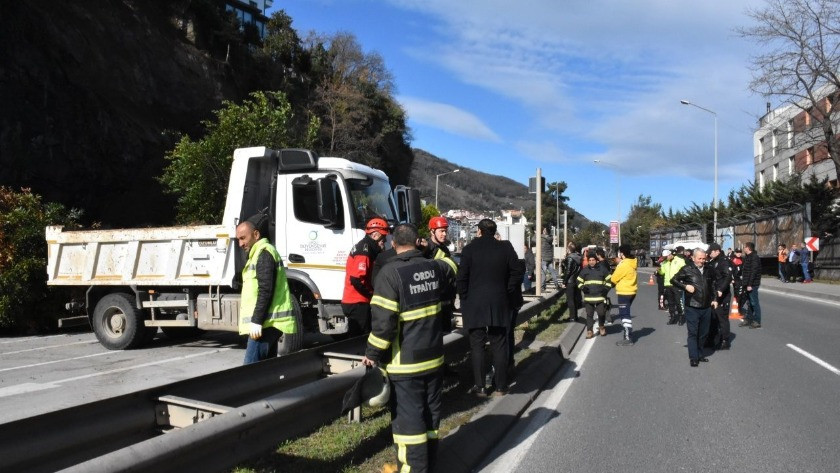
(467, 189)
(93, 96)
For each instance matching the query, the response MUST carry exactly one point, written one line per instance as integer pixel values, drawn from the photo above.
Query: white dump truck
(183, 279)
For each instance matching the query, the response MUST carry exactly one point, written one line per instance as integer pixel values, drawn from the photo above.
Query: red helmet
(438, 222)
(376, 225)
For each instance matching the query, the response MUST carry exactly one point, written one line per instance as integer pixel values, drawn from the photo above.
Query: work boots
(589, 334)
(628, 339)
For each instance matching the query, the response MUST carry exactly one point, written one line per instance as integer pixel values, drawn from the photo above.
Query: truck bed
(169, 256)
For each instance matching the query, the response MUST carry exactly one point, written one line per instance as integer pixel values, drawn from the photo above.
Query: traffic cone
(651, 282)
(733, 310)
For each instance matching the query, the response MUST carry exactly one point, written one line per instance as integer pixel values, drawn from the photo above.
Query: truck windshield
(370, 201)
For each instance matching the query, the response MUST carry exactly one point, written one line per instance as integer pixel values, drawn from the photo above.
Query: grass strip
(350, 447)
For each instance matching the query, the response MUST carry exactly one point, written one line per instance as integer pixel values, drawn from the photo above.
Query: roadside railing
(209, 423)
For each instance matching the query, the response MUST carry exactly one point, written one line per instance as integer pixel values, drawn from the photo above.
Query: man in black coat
(697, 279)
(488, 279)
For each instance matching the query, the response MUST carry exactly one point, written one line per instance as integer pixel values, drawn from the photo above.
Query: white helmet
(376, 388)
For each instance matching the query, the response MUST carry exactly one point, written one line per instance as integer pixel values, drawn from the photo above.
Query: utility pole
(538, 229)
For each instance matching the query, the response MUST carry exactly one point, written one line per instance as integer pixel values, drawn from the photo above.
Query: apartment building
(252, 13)
(789, 140)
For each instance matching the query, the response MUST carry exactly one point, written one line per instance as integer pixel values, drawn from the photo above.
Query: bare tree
(801, 40)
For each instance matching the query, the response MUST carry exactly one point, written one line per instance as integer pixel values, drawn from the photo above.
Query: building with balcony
(789, 140)
(250, 13)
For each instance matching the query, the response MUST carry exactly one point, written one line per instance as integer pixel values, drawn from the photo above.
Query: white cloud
(609, 72)
(447, 118)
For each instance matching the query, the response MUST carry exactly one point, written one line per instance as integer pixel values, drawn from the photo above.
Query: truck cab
(317, 209)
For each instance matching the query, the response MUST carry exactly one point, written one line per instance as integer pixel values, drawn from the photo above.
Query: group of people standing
(587, 280)
(412, 287)
(794, 263)
(697, 286)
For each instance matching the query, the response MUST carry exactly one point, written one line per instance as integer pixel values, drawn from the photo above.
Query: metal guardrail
(247, 410)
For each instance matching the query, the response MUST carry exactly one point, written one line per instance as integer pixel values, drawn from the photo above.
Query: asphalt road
(46, 373)
(770, 404)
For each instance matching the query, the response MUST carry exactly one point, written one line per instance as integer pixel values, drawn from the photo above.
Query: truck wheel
(292, 342)
(117, 323)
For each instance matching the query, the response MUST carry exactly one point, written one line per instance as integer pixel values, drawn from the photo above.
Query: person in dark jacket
(530, 268)
(571, 268)
(594, 282)
(719, 330)
(697, 280)
(407, 342)
(751, 279)
(547, 261)
(488, 277)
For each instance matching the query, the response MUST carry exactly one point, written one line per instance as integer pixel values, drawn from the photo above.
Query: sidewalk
(814, 290)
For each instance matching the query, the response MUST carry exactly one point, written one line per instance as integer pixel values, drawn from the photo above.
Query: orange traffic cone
(733, 310)
(651, 282)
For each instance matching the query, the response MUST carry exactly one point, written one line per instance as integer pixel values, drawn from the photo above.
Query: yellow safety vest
(280, 310)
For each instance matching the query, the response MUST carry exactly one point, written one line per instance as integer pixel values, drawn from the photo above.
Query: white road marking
(27, 339)
(808, 298)
(25, 388)
(89, 342)
(814, 359)
(54, 361)
(30, 387)
(525, 440)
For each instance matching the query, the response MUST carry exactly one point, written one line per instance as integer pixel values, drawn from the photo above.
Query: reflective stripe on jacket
(406, 337)
(280, 311)
(594, 283)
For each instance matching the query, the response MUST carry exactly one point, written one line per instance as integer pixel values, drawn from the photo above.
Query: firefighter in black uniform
(407, 341)
(437, 249)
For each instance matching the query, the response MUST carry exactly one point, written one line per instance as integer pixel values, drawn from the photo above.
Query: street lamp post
(715, 199)
(437, 181)
(618, 191)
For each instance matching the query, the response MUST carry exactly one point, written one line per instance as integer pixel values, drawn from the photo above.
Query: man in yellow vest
(266, 309)
(674, 295)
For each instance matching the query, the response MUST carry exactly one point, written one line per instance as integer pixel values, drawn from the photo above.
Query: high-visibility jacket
(406, 337)
(624, 277)
(669, 269)
(280, 313)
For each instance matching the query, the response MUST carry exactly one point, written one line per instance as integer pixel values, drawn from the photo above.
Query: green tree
(198, 171)
(25, 300)
(643, 217)
(428, 211)
(552, 198)
(592, 233)
(353, 97)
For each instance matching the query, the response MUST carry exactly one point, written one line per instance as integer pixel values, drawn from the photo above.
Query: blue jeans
(755, 309)
(697, 323)
(526, 281)
(805, 275)
(546, 268)
(264, 348)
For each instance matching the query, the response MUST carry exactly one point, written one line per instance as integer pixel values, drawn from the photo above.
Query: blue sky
(507, 87)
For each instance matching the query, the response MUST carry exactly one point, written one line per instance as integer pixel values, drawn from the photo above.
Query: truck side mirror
(408, 205)
(329, 197)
